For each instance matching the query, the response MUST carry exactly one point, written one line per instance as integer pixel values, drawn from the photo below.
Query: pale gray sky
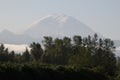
(102, 16)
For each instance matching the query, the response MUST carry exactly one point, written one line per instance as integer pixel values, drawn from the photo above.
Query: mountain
(57, 25)
(9, 37)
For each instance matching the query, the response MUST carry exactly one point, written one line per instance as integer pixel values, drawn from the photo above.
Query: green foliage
(89, 53)
(4, 56)
(37, 71)
(118, 69)
(26, 56)
(36, 51)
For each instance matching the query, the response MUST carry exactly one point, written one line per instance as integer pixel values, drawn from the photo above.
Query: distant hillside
(8, 37)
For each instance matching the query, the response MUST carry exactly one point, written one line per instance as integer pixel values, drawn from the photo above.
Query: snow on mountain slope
(58, 25)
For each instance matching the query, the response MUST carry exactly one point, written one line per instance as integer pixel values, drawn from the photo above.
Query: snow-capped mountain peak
(58, 18)
(54, 25)
(58, 25)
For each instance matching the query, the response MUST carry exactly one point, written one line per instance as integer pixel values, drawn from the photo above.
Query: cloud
(17, 48)
(118, 48)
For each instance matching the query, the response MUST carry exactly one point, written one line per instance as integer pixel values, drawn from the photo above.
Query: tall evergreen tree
(26, 56)
(36, 51)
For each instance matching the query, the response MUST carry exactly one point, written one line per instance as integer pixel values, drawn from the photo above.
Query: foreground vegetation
(34, 71)
(89, 58)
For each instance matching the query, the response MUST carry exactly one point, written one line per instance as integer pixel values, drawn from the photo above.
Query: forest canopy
(88, 53)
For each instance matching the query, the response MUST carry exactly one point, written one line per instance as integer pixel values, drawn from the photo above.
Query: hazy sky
(102, 16)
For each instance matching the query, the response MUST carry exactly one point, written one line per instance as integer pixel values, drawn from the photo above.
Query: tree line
(90, 52)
